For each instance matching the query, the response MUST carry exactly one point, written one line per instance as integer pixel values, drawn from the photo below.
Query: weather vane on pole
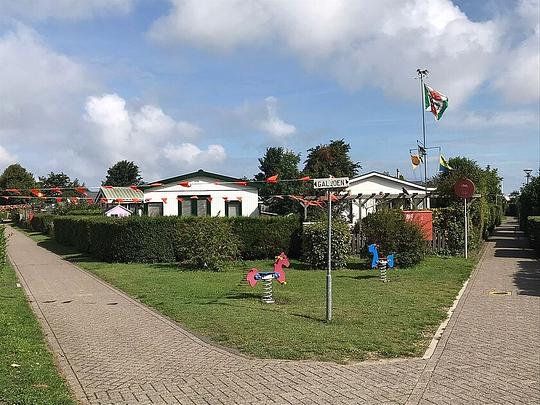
(423, 149)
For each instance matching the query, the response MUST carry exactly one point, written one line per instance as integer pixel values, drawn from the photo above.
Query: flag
(272, 179)
(415, 160)
(443, 165)
(435, 102)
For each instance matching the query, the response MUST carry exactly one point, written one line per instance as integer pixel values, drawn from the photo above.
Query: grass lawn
(27, 371)
(371, 319)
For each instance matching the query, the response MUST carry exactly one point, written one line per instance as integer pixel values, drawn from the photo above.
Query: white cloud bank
(361, 42)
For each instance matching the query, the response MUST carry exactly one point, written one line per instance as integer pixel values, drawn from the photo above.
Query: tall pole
(329, 270)
(466, 231)
(422, 74)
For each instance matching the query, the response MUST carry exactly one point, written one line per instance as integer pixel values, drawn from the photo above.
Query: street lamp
(527, 174)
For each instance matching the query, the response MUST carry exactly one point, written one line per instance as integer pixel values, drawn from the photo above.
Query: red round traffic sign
(464, 188)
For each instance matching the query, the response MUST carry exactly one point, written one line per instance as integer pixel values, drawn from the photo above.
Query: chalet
(201, 193)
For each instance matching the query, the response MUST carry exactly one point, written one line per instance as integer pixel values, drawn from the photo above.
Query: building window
(233, 208)
(154, 209)
(196, 207)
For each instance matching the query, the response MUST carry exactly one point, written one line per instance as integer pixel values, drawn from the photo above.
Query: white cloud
(6, 158)
(147, 136)
(68, 9)
(358, 42)
(495, 119)
(272, 124)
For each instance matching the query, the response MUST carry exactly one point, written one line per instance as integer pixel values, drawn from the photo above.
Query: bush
(450, 222)
(315, 244)
(388, 229)
(3, 245)
(264, 238)
(42, 223)
(533, 232)
(207, 242)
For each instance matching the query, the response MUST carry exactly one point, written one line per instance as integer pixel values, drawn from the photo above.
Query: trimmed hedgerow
(533, 232)
(264, 238)
(315, 244)
(205, 241)
(42, 223)
(389, 229)
(3, 246)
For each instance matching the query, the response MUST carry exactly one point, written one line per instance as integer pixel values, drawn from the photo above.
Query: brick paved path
(114, 350)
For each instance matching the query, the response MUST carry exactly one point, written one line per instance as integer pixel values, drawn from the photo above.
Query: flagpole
(423, 73)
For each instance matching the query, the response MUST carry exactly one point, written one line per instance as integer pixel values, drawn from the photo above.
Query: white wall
(205, 186)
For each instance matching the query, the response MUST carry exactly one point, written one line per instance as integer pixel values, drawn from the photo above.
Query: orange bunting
(58, 199)
(14, 190)
(56, 190)
(108, 187)
(164, 199)
(75, 200)
(209, 199)
(90, 200)
(134, 188)
(226, 198)
(103, 200)
(156, 184)
(305, 178)
(180, 199)
(36, 192)
(184, 184)
(241, 183)
(272, 179)
(81, 190)
(119, 200)
(136, 200)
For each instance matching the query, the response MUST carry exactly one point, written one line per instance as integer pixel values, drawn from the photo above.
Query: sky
(181, 85)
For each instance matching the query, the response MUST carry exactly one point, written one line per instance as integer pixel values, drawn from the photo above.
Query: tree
(60, 180)
(331, 160)
(284, 163)
(16, 176)
(529, 200)
(123, 174)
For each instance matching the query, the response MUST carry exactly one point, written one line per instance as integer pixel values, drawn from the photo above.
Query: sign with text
(331, 182)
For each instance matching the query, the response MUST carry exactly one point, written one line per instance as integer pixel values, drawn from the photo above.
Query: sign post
(465, 188)
(330, 183)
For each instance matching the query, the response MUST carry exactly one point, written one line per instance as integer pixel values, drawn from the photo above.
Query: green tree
(284, 163)
(529, 200)
(331, 160)
(60, 180)
(123, 174)
(16, 176)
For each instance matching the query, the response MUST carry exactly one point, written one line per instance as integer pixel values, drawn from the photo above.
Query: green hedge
(42, 223)
(266, 237)
(533, 232)
(450, 221)
(204, 241)
(389, 229)
(315, 244)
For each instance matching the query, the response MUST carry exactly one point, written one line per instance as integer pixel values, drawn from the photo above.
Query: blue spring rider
(382, 263)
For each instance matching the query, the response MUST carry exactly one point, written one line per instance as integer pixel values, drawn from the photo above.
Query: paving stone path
(114, 350)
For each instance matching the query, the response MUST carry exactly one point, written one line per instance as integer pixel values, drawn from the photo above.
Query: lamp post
(527, 174)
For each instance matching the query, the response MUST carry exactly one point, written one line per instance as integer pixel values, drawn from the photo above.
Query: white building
(373, 189)
(201, 194)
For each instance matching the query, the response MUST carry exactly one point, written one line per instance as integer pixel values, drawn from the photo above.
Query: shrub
(3, 246)
(206, 242)
(315, 244)
(42, 223)
(533, 232)
(264, 238)
(388, 229)
(82, 208)
(450, 222)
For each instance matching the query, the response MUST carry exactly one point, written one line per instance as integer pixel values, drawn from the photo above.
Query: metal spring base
(267, 292)
(382, 271)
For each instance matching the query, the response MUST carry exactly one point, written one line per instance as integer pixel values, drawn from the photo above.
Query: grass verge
(27, 372)
(370, 319)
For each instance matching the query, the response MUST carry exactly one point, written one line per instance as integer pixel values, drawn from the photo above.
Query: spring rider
(278, 274)
(382, 263)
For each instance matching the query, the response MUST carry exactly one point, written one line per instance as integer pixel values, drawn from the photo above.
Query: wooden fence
(437, 245)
